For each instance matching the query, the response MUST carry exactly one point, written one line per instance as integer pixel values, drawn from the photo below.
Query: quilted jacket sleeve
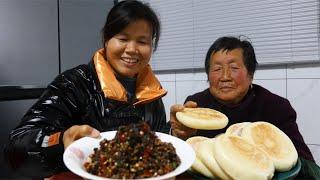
(29, 151)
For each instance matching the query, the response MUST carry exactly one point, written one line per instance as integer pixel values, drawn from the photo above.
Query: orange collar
(148, 87)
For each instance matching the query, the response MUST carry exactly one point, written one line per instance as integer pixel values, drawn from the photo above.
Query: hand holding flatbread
(178, 129)
(202, 118)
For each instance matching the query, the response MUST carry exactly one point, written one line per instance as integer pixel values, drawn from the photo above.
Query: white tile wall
(187, 88)
(166, 77)
(270, 73)
(276, 86)
(199, 76)
(170, 98)
(304, 97)
(304, 72)
(168, 82)
(299, 83)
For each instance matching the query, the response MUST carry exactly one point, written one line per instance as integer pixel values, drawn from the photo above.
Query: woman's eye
(141, 42)
(122, 39)
(234, 67)
(216, 69)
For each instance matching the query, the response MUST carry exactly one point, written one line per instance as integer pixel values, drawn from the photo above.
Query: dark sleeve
(195, 98)
(29, 152)
(156, 116)
(202, 98)
(287, 123)
(189, 98)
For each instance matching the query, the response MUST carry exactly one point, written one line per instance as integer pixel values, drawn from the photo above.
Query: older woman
(230, 65)
(116, 88)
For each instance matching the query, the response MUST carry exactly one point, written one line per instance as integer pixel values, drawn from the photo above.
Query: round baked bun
(236, 129)
(202, 118)
(219, 135)
(274, 142)
(241, 159)
(198, 165)
(206, 155)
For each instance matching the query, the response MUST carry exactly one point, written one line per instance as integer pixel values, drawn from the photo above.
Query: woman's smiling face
(130, 51)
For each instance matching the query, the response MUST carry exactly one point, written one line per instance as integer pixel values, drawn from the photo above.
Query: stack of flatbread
(245, 151)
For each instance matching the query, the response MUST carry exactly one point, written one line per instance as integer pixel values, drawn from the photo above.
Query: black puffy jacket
(75, 97)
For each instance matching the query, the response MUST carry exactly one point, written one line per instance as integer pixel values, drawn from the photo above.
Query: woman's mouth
(130, 61)
(226, 88)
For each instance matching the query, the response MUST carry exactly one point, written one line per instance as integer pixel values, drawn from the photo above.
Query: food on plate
(274, 142)
(202, 118)
(236, 129)
(135, 152)
(241, 159)
(198, 165)
(206, 155)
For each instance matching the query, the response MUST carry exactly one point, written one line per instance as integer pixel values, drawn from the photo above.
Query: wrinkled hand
(178, 129)
(76, 132)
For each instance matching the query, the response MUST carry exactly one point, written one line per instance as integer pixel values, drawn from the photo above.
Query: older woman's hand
(178, 129)
(76, 132)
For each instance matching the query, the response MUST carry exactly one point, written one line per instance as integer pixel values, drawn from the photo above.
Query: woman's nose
(226, 74)
(131, 47)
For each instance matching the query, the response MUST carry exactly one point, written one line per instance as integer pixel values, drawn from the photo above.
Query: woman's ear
(105, 49)
(251, 79)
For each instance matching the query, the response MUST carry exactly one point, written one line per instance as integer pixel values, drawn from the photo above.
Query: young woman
(116, 88)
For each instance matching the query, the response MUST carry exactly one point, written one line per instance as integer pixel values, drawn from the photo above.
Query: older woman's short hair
(231, 43)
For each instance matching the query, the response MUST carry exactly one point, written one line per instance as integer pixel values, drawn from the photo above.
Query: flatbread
(202, 118)
(198, 165)
(219, 135)
(206, 155)
(241, 159)
(236, 129)
(274, 142)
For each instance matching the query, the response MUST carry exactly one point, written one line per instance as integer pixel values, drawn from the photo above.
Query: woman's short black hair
(231, 43)
(126, 12)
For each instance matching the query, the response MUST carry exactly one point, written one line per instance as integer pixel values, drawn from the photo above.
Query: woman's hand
(178, 129)
(76, 132)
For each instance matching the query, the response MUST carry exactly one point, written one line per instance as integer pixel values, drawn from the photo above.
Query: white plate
(76, 154)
